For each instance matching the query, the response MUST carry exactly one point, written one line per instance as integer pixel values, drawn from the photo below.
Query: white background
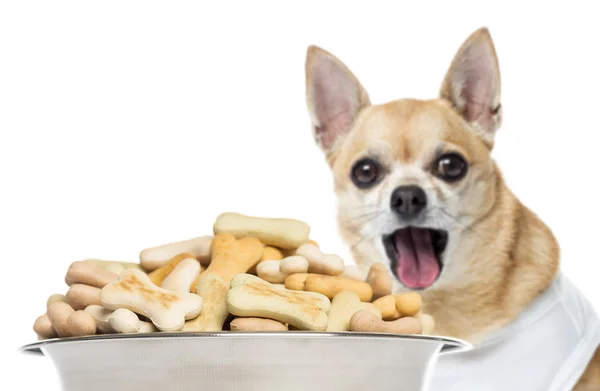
(131, 124)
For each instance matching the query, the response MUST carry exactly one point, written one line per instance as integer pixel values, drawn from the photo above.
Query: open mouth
(416, 255)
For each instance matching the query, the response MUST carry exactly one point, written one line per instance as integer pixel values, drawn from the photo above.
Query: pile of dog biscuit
(252, 274)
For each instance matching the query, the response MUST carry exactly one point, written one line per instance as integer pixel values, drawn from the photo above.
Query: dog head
(411, 176)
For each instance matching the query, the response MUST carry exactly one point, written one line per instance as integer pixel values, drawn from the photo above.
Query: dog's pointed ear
(334, 97)
(472, 85)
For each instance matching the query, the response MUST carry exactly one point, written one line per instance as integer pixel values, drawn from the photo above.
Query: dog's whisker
(364, 218)
(467, 227)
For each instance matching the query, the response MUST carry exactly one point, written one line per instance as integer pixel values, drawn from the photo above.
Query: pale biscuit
(328, 285)
(320, 263)
(157, 276)
(367, 322)
(251, 296)
(43, 328)
(135, 291)
(80, 296)
(82, 272)
(380, 280)
(277, 232)
(343, 306)
(256, 324)
(276, 271)
(182, 276)
(155, 257)
(230, 256)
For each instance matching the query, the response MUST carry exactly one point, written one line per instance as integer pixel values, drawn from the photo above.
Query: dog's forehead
(408, 130)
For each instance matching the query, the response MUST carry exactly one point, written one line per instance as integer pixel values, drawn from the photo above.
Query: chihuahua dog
(418, 190)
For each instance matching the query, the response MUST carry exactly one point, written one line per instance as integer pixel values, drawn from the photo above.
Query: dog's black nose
(408, 201)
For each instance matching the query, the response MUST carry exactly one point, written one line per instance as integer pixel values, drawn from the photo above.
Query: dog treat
(294, 264)
(229, 257)
(81, 323)
(295, 282)
(183, 276)
(281, 233)
(155, 257)
(124, 321)
(270, 271)
(332, 285)
(158, 275)
(408, 304)
(329, 264)
(367, 322)
(288, 252)
(251, 296)
(82, 272)
(43, 328)
(146, 327)
(428, 323)
(271, 254)
(166, 309)
(353, 272)
(387, 306)
(276, 271)
(213, 290)
(80, 296)
(116, 267)
(380, 280)
(343, 306)
(55, 298)
(256, 324)
(101, 315)
(58, 314)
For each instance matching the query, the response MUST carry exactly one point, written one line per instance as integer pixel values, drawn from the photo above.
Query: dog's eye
(365, 173)
(451, 167)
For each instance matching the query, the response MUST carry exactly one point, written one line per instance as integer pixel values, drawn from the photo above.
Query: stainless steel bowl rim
(451, 345)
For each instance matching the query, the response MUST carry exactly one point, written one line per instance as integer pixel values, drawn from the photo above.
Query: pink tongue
(417, 266)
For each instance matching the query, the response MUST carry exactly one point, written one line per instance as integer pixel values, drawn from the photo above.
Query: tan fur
(502, 255)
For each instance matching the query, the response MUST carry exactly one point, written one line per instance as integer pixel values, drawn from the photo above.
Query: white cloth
(546, 349)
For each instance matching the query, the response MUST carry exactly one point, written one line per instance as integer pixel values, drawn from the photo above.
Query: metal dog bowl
(246, 361)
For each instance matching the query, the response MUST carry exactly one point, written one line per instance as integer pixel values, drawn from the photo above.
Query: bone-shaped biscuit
(213, 290)
(80, 296)
(387, 306)
(158, 276)
(230, 256)
(380, 280)
(135, 291)
(366, 322)
(155, 257)
(116, 267)
(256, 324)
(281, 233)
(343, 306)
(43, 328)
(320, 263)
(82, 272)
(183, 276)
(124, 321)
(276, 271)
(328, 285)
(119, 321)
(250, 296)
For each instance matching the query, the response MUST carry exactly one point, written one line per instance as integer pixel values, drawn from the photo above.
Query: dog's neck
(508, 258)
